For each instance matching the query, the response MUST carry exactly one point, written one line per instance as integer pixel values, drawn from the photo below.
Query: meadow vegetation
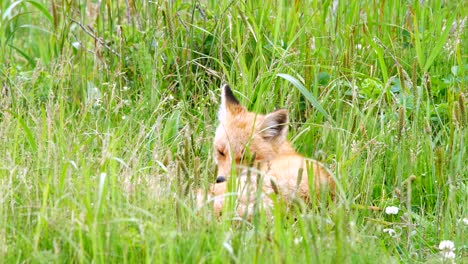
(108, 110)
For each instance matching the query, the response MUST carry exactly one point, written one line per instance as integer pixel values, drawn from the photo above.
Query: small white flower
(312, 44)
(76, 44)
(447, 245)
(391, 210)
(465, 221)
(391, 232)
(448, 254)
(297, 240)
(446, 248)
(94, 95)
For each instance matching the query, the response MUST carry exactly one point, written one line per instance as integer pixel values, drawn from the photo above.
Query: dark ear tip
(225, 87)
(282, 116)
(228, 94)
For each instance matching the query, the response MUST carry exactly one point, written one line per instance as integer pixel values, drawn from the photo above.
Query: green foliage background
(108, 108)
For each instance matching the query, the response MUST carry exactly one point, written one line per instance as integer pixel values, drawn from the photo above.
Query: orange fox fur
(281, 169)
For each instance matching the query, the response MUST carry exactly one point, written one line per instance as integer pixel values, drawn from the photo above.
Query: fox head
(241, 132)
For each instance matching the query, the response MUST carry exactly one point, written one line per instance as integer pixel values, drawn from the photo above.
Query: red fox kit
(283, 171)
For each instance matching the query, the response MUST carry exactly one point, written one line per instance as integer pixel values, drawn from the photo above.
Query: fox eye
(220, 153)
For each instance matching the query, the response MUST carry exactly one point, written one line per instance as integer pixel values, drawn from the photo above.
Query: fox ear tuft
(275, 125)
(228, 102)
(227, 96)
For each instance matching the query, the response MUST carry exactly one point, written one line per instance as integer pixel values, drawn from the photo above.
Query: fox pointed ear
(229, 102)
(275, 125)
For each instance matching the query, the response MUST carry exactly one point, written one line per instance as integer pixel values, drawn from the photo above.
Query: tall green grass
(108, 109)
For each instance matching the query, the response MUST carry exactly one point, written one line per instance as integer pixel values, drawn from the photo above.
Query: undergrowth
(108, 110)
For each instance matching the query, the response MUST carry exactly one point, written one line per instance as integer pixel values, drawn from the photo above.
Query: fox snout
(220, 179)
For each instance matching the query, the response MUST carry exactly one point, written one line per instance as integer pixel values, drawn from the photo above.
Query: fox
(264, 160)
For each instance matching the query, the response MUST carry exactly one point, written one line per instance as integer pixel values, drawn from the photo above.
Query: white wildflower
(447, 245)
(465, 221)
(312, 44)
(446, 248)
(94, 95)
(76, 44)
(391, 210)
(354, 146)
(391, 232)
(448, 254)
(297, 240)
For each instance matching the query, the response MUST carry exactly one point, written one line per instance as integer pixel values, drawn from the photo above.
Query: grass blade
(308, 95)
(439, 45)
(43, 10)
